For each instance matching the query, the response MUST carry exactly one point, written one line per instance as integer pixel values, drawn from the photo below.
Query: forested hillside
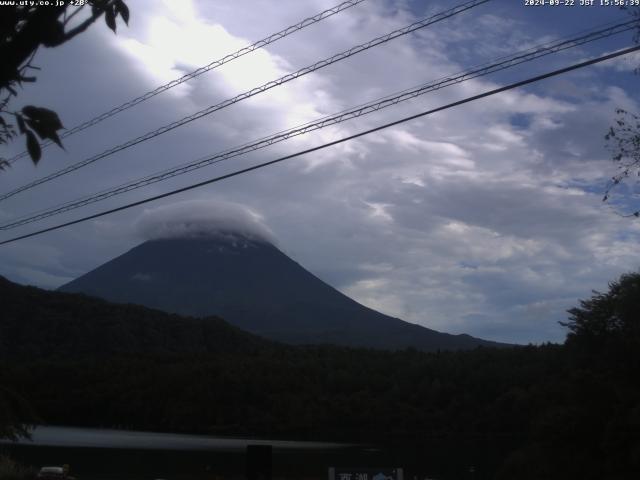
(38, 324)
(565, 411)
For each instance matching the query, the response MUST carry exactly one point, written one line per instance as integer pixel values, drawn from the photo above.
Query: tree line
(567, 411)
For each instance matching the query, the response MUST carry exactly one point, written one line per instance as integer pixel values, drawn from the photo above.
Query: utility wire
(329, 144)
(195, 73)
(388, 101)
(255, 91)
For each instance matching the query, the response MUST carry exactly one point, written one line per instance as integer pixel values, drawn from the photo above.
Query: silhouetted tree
(23, 29)
(614, 314)
(16, 415)
(623, 141)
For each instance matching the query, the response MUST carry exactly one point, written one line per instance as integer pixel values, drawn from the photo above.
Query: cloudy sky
(485, 219)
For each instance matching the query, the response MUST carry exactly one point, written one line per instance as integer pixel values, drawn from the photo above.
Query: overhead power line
(329, 144)
(255, 91)
(370, 107)
(195, 73)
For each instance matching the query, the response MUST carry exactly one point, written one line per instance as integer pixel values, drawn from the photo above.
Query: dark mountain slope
(256, 287)
(37, 323)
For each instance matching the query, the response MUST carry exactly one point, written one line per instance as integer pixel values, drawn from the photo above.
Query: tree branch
(84, 25)
(76, 11)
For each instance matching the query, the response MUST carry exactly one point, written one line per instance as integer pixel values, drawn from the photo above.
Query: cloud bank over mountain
(202, 218)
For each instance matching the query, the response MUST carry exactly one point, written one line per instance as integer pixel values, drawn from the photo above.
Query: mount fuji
(253, 285)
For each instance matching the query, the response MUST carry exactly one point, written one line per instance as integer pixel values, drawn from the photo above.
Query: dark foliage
(623, 141)
(16, 415)
(608, 316)
(46, 325)
(24, 29)
(569, 411)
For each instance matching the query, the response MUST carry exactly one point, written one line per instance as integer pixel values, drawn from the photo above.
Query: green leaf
(44, 131)
(53, 34)
(43, 115)
(44, 122)
(20, 121)
(110, 18)
(53, 136)
(33, 147)
(97, 7)
(123, 10)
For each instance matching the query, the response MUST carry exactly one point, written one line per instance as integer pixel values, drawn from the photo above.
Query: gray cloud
(202, 218)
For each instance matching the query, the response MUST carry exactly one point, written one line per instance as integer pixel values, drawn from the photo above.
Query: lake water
(102, 454)
(105, 438)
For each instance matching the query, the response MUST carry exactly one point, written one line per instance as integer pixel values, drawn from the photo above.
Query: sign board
(336, 473)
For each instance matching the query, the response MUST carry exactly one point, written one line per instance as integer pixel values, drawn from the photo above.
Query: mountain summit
(253, 285)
